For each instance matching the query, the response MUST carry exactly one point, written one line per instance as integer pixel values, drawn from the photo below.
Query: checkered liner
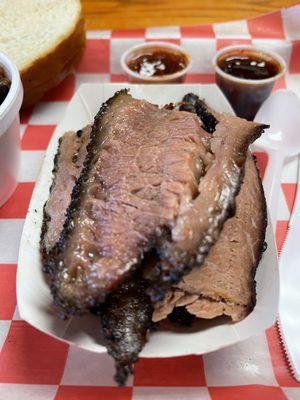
(36, 367)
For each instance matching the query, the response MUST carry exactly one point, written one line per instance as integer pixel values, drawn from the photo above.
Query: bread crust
(51, 68)
(35, 94)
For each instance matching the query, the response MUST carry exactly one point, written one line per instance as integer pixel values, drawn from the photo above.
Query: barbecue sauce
(4, 85)
(157, 62)
(249, 66)
(248, 80)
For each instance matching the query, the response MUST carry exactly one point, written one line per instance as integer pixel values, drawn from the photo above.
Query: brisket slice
(143, 163)
(68, 164)
(224, 283)
(127, 312)
(200, 220)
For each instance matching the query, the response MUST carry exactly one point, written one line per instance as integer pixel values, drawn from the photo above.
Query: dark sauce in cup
(157, 62)
(256, 69)
(4, 85)
(249, 66)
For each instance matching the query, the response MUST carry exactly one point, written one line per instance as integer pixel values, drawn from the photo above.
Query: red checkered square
(93, 393)
(289, 190)
(199, 31)
(37, 137)
(231, 42)
(267, 26)
(200, 78)
(96, 57)
(175, 371)
(17, 205)
(294, 67)
(281, 230)
(8, 291)
(280, 84)
(63, 92)
(115, 78)
(251, 392)
(128, 33)
(29, 356)
(279, 361)
(261, 162)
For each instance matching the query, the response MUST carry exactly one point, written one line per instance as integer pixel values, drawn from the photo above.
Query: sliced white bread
(44, 38)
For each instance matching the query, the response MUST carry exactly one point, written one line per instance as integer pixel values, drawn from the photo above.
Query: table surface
(127, 14)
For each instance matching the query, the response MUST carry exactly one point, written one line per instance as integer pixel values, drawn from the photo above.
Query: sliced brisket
(68, 164)
(225, 284)
(148, 177)
(152, 178)
(126, 314)
(143, 165)
(200, 220)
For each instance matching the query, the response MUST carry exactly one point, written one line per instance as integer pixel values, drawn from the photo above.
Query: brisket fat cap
(143, 163)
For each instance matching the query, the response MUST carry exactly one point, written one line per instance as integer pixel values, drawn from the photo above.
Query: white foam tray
(34, 299)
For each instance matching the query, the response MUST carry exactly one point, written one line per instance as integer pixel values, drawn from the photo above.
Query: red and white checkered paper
(34, 366)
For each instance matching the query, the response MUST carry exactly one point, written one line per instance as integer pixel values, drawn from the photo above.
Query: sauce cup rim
(127, 53)
(257, 49)
(12, 102)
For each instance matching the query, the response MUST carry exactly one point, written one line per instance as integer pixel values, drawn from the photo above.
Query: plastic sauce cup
(141, 49)
(247, 95)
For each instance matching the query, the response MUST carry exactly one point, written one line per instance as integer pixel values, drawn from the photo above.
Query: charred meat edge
(126, 317)
(55, 171)
(192, 103)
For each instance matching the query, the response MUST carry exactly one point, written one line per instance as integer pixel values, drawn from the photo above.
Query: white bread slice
(44, 38)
